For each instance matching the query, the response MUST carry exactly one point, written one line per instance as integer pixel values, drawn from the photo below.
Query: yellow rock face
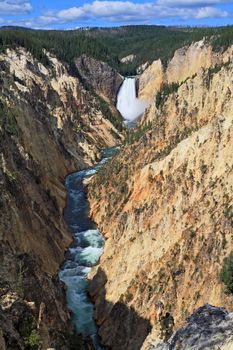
(150, 81)
(165, 209)
(185, 63)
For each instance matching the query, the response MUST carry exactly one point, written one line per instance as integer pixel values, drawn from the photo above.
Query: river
(84, 253)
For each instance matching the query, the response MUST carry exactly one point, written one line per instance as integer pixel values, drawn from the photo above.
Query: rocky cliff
(104, 79)
(209, 328)
(50, 125)
(164, 206)
(185, 63)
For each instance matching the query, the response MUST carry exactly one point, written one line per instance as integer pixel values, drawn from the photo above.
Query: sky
(69, 14)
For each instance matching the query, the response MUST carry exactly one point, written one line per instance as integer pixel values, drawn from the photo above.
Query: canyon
(51, 125)
(168, 194)
(163, 203)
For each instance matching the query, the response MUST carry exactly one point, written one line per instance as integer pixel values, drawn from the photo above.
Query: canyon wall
(50, 125)
(164, 205)
(104, 80)
(185, 63)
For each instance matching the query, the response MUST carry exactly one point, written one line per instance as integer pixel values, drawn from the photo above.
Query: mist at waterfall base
(128, 104)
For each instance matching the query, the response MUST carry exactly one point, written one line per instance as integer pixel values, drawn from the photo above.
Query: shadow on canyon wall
(120, 327)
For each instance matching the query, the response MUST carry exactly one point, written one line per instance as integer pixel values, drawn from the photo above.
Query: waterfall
(128, 104)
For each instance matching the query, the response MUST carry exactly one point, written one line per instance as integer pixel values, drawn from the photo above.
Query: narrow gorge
(116, 177)
(85, 251)
(88, 244)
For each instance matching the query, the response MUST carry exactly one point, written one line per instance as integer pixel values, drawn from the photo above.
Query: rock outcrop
(104, 79)
(209, 328)
(128, 59)
(186, 62)
(50, 125)
(169, 197)
(151, 80)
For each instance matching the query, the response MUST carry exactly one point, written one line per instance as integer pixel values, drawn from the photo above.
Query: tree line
(147, 43)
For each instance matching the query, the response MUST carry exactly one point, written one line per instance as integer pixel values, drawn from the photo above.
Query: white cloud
(210, 12)
(129, 11)
(192, 3)
(14, 7)
(114, 11)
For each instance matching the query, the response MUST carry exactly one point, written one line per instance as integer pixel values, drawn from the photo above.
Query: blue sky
(66, 14)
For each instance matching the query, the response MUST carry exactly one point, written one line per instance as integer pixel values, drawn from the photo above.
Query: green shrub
(33, 341)
(214, 70)
(134, 135)
(128, 297)
(8, 121)
(107, 113)
(226, 274)
(167, 90)
(178, 137)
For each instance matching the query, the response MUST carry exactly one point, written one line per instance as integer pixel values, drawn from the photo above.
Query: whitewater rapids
(84, 253)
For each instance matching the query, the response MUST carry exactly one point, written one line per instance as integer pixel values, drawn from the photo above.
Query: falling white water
(128, 104)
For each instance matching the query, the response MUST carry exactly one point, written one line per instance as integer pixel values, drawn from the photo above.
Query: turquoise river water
(84, 253)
